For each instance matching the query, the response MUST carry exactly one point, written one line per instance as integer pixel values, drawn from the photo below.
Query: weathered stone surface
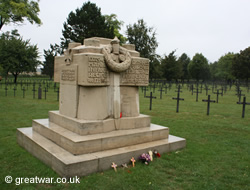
(131, 49)
(130, 101)
(90, 127)
(73, 45)
(69, 91)
(103, 41)
(78, 144)
(93, 103)
(58, 63)
(129, 46)
(92, 42)
(79, 126)
(60, 160)
(115, 96)
(140, 121)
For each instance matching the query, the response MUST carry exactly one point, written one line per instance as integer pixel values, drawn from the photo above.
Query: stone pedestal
(98, 121)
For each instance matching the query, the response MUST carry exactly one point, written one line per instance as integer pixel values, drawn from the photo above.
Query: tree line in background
(17, 55)
(229, 67)
(87, 21)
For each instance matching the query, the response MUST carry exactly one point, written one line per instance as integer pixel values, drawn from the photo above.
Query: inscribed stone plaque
(137, 74)
(69, 74)
(92, 70)
(68, 91)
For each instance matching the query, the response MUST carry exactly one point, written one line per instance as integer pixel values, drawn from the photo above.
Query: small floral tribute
(145, 158)
(157, 154)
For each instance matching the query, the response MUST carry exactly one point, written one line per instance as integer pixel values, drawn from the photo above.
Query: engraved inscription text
(97, 70)
(68, 75)
(137, 74)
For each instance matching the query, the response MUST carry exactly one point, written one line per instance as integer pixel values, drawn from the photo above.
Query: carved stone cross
(118, 60)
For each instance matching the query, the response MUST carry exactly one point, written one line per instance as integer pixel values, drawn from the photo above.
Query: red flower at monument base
(120, 114)
(157, 154)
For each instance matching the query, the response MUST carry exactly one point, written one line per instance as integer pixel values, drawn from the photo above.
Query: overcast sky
(210, 27)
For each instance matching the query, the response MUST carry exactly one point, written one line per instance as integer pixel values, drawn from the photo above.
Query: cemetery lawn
(217, 155)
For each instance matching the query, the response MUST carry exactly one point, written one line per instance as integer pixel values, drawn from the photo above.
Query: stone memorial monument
(99, 120)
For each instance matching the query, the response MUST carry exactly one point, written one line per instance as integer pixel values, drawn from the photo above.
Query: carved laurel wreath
(123, 56)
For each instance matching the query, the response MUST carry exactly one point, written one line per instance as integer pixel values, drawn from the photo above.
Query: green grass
(217, 155)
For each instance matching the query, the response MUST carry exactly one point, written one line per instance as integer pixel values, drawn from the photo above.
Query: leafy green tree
(155, 68)
(184, 61)
(144, 39)
(15, 11)
(1, 72)
(213, 67)
(116, 24)
(224, 67)
(17, 55)
(241, 64)
(172, 68)
(199, 68)
(49, 56)
(85, 22)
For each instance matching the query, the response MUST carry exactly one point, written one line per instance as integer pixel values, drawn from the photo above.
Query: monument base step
(90, 127)
(78, 144)
(69, 165)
